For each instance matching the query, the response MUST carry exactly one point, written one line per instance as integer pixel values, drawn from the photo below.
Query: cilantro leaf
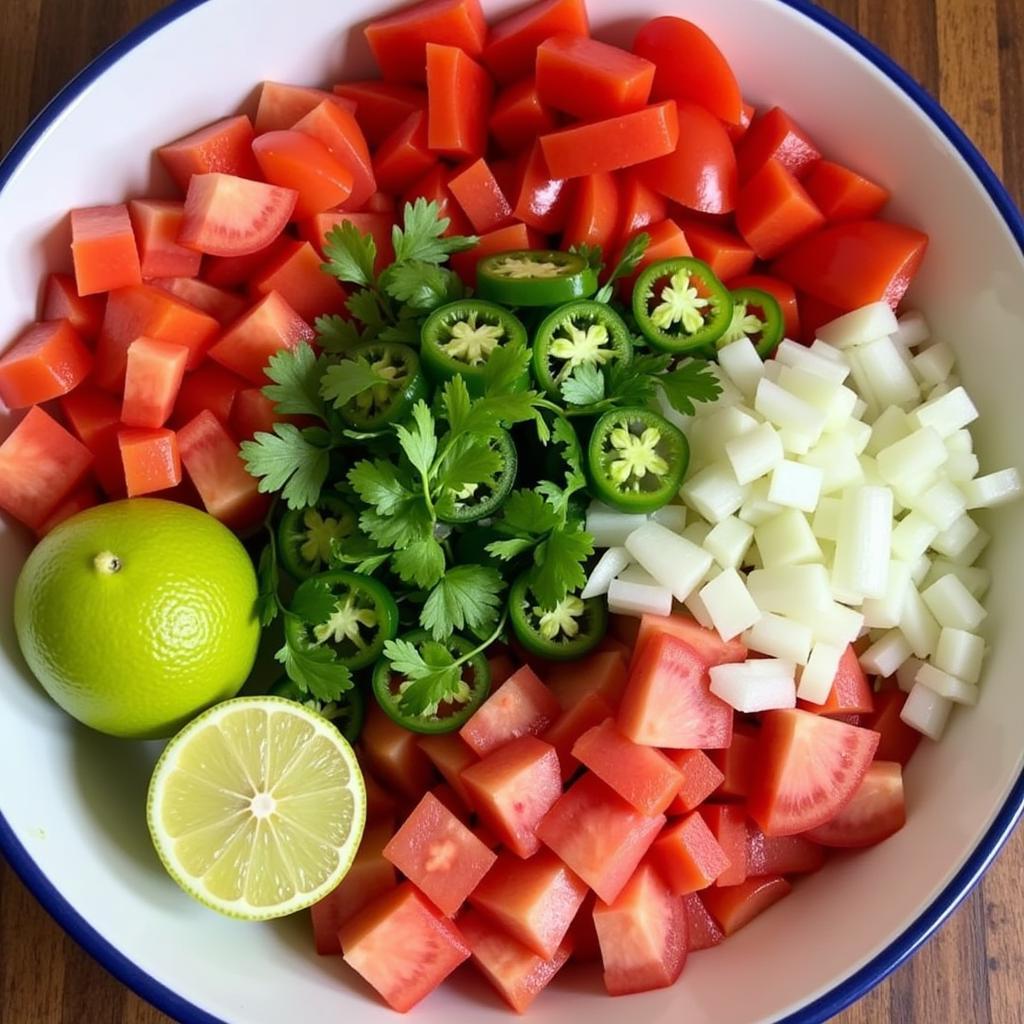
(421, 563)
(457, 403)
(296, 375)
(467, 597)
(526, 514)
(289, 462)
(585, 386)
(421, 235)
(314, 603)
(431, 677)
(269, 580)
(593, 254)
(422, 286)
(405, 332)
(350, 255)
(628, 262)
(558, 565)
(469, 460)
(365, 307)
(419, 443)
(315, 670)
(505, 368)
(506, 550)
(409, 523)
(690, 382)
(382, 485)
(337, 334)
(343, 381)
(634, 383)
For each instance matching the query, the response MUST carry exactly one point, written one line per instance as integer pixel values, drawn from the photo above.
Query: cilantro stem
(502, 621)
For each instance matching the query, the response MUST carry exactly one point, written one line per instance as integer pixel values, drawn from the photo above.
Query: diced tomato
(688, 856)
(61, 301)
(851, 692)
(590, 79)
(666, 242)
(444, 794)
(613, 645)
(810, 767)
(233, 271)
(107, 466)
(690, 67)
(613, 143)
(781, 855)
(700, 172)
(502, 667)
(380, 804)
(222, 305)
(433, 187)
(281, 106)
(590, 710)
(152, 381)
(370, 875)
(599, 835)
(783, 294)
(436, 852)
(393, 756)
(583, 934)
(722, 250)
(852, 265)
(899, 740)
(643, 935)
(516, 972)
(103, 249)
(40, 465)
(511, 49)
(150, 459)
(701, 777)
(668, 701)
(518, 116)
(48, 360)
(298, 162)
(876, 811)
(459, 94)
(709, 646)
(604, 673)
(737, 905)
(541, 201)
(403, 157)
(842, 194)
(450, 755)
(157, 224)
(253, 413)
(643, 776)
(271, 325)
(224, 147)
(521, 706)
(90, 413)
(515, 236)
(702, 928)
(512, 789)
(737, 131)
(737, 762)
(211, 459)
(230, 216)
(296, 275)
(775, 135)
(377, 225)
(639, 206)
(382, 106)
(774, 211)
(402, 946)
(77, 501)
(534, 900)
(399, 41)
(480, 197)
(593, 212)
(337, 128)
(209, 387)
(728, 824)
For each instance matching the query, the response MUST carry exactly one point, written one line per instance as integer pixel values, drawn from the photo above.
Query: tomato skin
(433, 187)
(702, 928)
(851, 692)
(774, 211)
(899, 740)
(842, 194)
(77, 501)
(40, 465)
(399, 41)
(590, 79)
(450, 755)
(481, 197)
(381, 106)
(459, 94)
(689, 67)
(393, 757)
(688, 856)
(404, 156)
(876, 811)
(157, 224)
(518, 116)
(511, 49)
(593, 212)
(337, 128)
(783, 293)
(224, 147)
(293, 160)
(281, 105)
(701, 777)
(775, 135)
(639, 206)
(726, 253)
(150, 459)
(222, 305)
(208, 387)
(152, 380)
(402, 946)
(61, 301)
(737, 131)
(103, 249)
(738, 905)
(613, 143)
(810, 767)
(296, 276)
(542, 202)
(269, 326)
(781, 855)
(47, 360)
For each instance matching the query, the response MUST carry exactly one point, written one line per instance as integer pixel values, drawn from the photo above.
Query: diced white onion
(862, 326)
(787, 539)
(891, 380)
(825, 523)
(780, 637)
(926, 711)
(755, 453)
(827, 351)
(729, 604)
(714, 492)
(960, 653)
(912, 330)
(795, 485)
(864, 541)
(742, 365)
(835, 455)
(786, 411)
(920, 452)
(609, 565)
(835, 624)
(919, 571)
(728, 542)
(676, 563)
(993, 489)
(943, 503)
(918, 624)
(819, 673)
(962, 466)
(906, 674)
(609, 527)
(886, 654)
(754, 686)
(710, 433)
(756, 508)
(976, 579)
(800, 591)
(821, 360)
(953, 541)
(638, 599)
(947, 413)
(886, 611)
(672, 517)
(960, 441)
(934, 364)
(946, 685)
(953, 605)
(912, 536)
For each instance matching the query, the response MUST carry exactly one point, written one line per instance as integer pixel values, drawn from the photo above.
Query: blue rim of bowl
(815, 1012)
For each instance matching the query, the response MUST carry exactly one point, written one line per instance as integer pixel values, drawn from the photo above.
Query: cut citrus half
(257, 807)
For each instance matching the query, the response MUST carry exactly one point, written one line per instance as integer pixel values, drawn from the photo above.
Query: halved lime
(257, 807)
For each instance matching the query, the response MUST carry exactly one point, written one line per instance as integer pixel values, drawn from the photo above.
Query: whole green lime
(137, 615)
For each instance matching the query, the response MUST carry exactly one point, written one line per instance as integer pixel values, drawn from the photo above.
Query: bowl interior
(75, 800)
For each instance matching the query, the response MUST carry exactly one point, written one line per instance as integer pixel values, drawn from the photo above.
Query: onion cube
(953, 605)
(906, 674)
(672, 517)
(934, 364)
(835, 455)
(858, 433)
(864, 542)
(961, 467)
(729, 604)
(697, 532)
(826, 351)
(820, 672)
(918, 624)
(864, 325)
(713, 493)
(947, 413)
(971, 551)
(886, 654)
(960, 653)
(786, 411)
(976, 579)
(795, 485)
(953, 541)
(674, 561)
(672, 414)
(800, 591)
(754, 686)
(919, 571)
(787, 540)
(757, 509)
(795, 443)
(742, 365)
(835, 624)
(993, 489)
(825, 524)
(960, 441)
(891, 426)
(609, 527)
(823, 361)
(891, 380)
(926, 711)
(608, 567)
(755, 453)
(728, 542)
(709, 435)
(943, 503)
(886, 611)
(626, 598)
(830, 396)
(912, 330)
(920, 452)
(946, 685)
(729, 395)
(912, 536)
(779, 637)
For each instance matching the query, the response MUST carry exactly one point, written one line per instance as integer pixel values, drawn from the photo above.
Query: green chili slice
(535, 277)
(755, 315)
(572, 628)
(304, 535)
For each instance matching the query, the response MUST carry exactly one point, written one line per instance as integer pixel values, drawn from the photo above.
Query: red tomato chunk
(688, 856)
(47, 361)
(738, 905)
(150, 459)
(103, 249)
(521, 706)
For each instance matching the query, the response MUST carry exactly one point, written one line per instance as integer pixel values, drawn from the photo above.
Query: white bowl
(73, 821)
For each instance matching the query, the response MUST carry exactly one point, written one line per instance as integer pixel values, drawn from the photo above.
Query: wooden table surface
(970, 53)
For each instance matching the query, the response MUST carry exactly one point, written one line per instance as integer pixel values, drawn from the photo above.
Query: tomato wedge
(521, 706)
(157, 224)
(781, 855)
(511, 50)
(481, 197)
(775, 210)
(281, 105)
(296, 275)
(294, 160)
(708, 645)
(337, 128)
(876, 811)
(701, 777)
(899, 740)
(542, 201)
(222, 305)
(151, 460)
(224, 147)
(459, 93)
(61, 301)
(810, 768)
(589, 711)
(230, 216)
(639, 206)
(518, 116)
(152, 380)
(593, 212)
(775, 135)
(404, 157)
(842, 194)
(721, 249)
(381, 106)
(738, 905)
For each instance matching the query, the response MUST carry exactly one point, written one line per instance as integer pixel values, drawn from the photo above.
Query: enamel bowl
(72, 802)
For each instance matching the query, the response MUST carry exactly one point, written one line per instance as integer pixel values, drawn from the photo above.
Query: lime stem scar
(107, 563)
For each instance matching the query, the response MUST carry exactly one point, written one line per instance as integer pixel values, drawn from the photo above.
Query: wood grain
(970, 53)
